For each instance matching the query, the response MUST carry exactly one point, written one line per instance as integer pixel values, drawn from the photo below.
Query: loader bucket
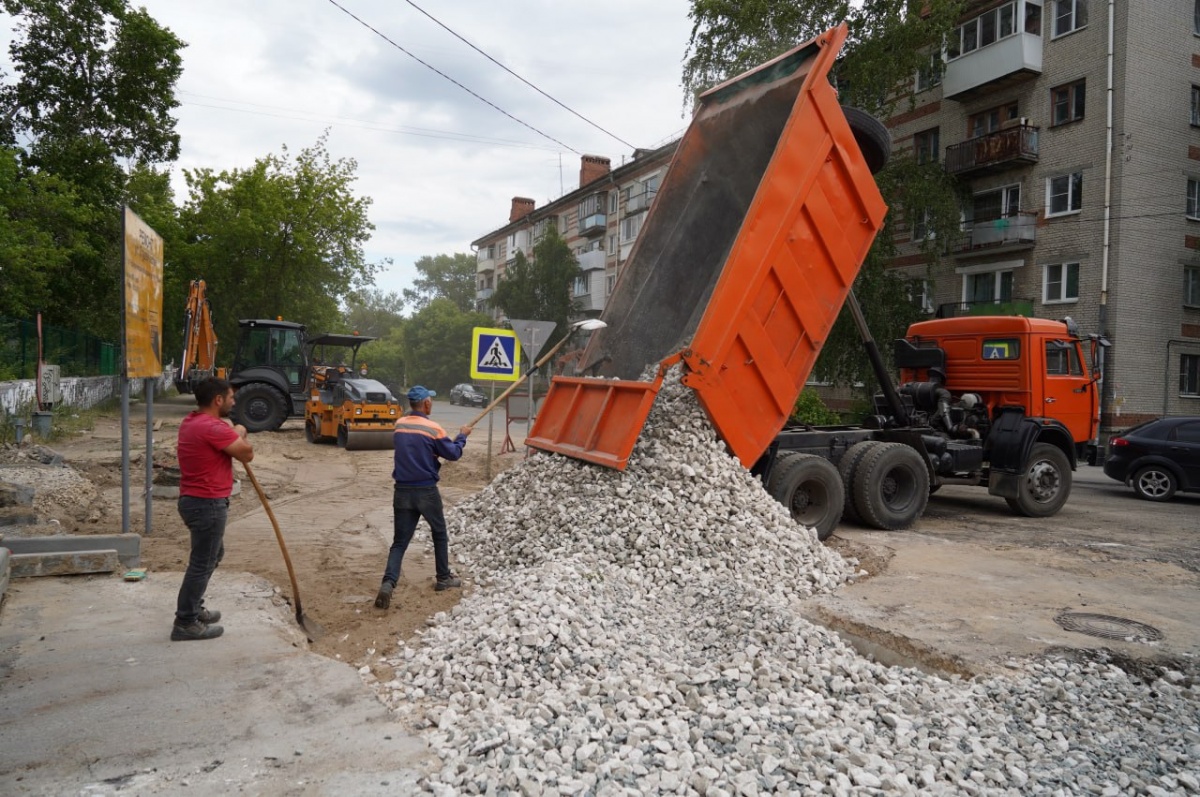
(744, 262)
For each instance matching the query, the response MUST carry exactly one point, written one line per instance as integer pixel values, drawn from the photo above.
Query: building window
(1196, 19)
(929, 74)
(1000, 203)
(1189, 374)
(1193, 199)
(1196, 102)
(630, 227)
(612, 202)
(1066, 103)
(1064, 194)
(989, 286)
(926, 146)
(922, 225)
(1191, 286)
(1033, 17)
(609, 283)
(1069, 15)
(583, 283)
(988, 28)
(920, 293)
(1060, 283)
(989, 121)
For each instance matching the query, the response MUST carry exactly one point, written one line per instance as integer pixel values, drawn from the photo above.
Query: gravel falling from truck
(637, 633)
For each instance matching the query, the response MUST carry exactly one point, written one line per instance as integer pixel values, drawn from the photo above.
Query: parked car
(1157, 458)
(467, 395)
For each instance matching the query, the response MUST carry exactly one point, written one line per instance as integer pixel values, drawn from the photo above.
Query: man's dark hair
(207, 391)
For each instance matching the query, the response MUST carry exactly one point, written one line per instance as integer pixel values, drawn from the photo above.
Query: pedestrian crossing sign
(495, 355)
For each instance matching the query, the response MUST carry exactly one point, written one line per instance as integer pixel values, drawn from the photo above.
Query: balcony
(1016, 146)
(638, 202)
(596, 222)
(591, 261)
(483, 294)
(1022, 307)
(1017, 231)
(1010, 60)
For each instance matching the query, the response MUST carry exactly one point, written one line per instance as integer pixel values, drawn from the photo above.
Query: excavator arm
(199, 341)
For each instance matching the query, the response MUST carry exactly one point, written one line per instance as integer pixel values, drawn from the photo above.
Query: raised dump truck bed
(745, 260)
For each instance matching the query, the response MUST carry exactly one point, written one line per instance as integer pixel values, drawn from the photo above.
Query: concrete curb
(31, 565)
(128, 547)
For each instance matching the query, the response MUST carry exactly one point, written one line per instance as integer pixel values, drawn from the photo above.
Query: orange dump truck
(745, 261)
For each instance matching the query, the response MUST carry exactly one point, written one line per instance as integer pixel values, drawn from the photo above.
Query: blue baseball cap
(420, 393)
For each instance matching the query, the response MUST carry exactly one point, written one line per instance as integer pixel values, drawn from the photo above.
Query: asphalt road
(1102, 516)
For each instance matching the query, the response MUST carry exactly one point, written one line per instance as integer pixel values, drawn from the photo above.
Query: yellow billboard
(143, 299)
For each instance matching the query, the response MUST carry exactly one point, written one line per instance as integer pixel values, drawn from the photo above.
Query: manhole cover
(1108, 627)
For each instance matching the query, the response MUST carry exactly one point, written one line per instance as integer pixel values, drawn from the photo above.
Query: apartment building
(600, 221)
(1075, 127)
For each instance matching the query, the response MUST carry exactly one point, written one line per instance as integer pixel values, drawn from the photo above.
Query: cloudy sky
(440, 164)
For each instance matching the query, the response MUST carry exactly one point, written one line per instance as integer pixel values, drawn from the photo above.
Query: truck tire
(846, 469)
(1155, 483)
(891, 487)
(1046, 484)
(810, 488)
(259, 407)
(872, 136)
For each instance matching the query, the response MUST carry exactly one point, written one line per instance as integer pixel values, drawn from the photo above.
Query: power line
(518, 77)
(447, 77)
(305, 116)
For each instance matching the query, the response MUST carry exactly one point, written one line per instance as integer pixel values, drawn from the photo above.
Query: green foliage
(443, 277)
(438, 344)
(370, 311)
(386, 358)
(540, 289)
(283, 237)
(93, 90)
(886, 42)
(811, 410)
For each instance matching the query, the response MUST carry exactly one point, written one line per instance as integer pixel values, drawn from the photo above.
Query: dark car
(467, 395)
(1157, 458)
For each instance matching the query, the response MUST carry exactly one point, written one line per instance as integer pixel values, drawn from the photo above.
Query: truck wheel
(872, 137)
(846, 468)
(312, 432)
(343, 436)
(810, 488)
(1155, 483)
(259, 407)
(1046, 485)
(891, 487)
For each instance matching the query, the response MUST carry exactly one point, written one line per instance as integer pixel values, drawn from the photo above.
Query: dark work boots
(197, 630)
(384, 598)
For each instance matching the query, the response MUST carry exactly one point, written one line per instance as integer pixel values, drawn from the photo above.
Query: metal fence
(79, 353)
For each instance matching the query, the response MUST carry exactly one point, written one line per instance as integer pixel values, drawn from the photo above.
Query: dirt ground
(333, 508)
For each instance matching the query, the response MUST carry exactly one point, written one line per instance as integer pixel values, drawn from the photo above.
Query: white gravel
(636, 633)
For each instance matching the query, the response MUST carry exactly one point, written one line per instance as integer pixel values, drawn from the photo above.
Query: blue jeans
(205, 519)
(409, 505)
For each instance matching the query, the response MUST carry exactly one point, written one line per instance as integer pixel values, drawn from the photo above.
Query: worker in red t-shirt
(208, 444)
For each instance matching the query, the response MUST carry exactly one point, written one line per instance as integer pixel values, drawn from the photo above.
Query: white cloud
(261, 74)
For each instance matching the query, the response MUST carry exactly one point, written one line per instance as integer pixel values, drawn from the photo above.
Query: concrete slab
(95, 699)
(75, 563)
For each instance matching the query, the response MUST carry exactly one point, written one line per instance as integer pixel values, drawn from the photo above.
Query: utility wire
(369, 27)
(518, 77)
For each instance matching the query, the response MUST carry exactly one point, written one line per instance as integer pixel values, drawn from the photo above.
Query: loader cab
(274, 345)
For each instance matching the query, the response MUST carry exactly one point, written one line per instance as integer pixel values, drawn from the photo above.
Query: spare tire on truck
(872, 136)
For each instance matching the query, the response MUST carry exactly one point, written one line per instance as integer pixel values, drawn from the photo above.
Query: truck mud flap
(596, 420)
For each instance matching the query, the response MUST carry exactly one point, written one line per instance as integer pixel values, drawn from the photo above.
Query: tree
(370, 311)
(283, 237)
(886, 45)
(540, 289)
(94, 87)
(443, 277)
(438, 344)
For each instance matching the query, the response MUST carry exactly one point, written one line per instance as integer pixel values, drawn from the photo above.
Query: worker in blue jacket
(420, 443)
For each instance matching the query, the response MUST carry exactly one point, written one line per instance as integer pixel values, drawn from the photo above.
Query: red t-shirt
(205, 470)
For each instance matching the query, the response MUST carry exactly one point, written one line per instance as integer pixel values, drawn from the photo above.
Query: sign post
(142, 357)
(495, 355)
(533, 336)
